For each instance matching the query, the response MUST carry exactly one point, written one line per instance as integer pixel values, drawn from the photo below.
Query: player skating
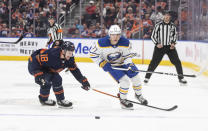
(114, 50)
(45, 66)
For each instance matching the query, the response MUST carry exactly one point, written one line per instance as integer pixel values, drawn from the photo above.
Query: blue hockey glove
(105, 65)
(85, 83)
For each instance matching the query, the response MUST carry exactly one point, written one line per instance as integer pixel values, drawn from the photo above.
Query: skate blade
(47, 104)
(145, 84)
(182, 84)
(127, 108)
(63, 107)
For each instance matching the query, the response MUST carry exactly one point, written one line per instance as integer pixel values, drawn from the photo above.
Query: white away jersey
(118, 54)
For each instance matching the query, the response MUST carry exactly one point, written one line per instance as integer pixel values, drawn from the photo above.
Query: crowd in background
(27, 13)
(137, 19)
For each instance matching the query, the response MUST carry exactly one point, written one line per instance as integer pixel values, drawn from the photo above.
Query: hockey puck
(97, 117)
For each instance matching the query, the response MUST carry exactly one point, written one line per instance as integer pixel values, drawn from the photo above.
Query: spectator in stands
(52, 11)
(120, 18)
(104, 32)
(131, 5)
(19, 30)
(90, 11)
(42, 3)
(157, 16)
(97, 15)
(4, 12)
(72, 29)
(78, 25)
(23, 15)
(76, 34)
(46, 8)
(147, 32)
(13, 34)
(29, 33)
(147, 22)
(184, 16)
(84, 33)
(137, 26)
(97, 30)
(41, 25)
(110, 16)
(126, 33)
(130, 14)
(4, 30)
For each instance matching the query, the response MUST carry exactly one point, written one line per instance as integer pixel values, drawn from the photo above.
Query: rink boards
(192, 54)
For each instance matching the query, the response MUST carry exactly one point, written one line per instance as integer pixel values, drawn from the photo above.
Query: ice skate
(146, 80)
(141, 99)
(182, 82)
(126, 104)
(48, 102)
(64, 104)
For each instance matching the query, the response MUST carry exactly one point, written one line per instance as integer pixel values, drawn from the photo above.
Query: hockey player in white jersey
(115, 50)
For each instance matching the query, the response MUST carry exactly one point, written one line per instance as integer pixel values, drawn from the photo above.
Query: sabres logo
(114, 56)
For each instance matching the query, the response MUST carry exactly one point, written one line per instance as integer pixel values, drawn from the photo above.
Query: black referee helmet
(51, 17)
(172, 14)
(167, 12)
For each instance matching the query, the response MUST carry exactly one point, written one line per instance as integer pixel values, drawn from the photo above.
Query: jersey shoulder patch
(123, 42)
(104, 42)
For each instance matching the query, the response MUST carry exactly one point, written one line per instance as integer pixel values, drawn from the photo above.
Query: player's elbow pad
(105, 65)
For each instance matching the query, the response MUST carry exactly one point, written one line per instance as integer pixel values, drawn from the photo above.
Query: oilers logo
(113, 57)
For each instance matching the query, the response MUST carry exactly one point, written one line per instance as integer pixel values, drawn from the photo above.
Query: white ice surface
(20, 109)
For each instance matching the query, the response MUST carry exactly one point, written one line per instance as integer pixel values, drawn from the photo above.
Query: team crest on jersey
(114, 56)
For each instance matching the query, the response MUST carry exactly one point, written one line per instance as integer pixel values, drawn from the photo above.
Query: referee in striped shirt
(55, 34)
(164, 37)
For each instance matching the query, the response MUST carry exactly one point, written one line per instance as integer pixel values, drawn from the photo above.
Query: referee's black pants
(157, 57)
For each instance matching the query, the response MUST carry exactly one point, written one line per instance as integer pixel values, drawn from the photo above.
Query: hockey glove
(85, 83)
(105, 65)
(39, 78)
(131, 66)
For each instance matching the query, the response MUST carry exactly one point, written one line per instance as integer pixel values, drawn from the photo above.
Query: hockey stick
(131, 55)
(104, 93)
(124, 57)
(20, 38)
(168, 109)
(164, 73)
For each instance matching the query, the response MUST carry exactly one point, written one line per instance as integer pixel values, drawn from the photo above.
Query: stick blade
(191, 75)
(173, 108)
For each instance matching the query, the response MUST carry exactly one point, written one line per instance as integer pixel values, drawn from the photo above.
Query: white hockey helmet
(114, 29)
